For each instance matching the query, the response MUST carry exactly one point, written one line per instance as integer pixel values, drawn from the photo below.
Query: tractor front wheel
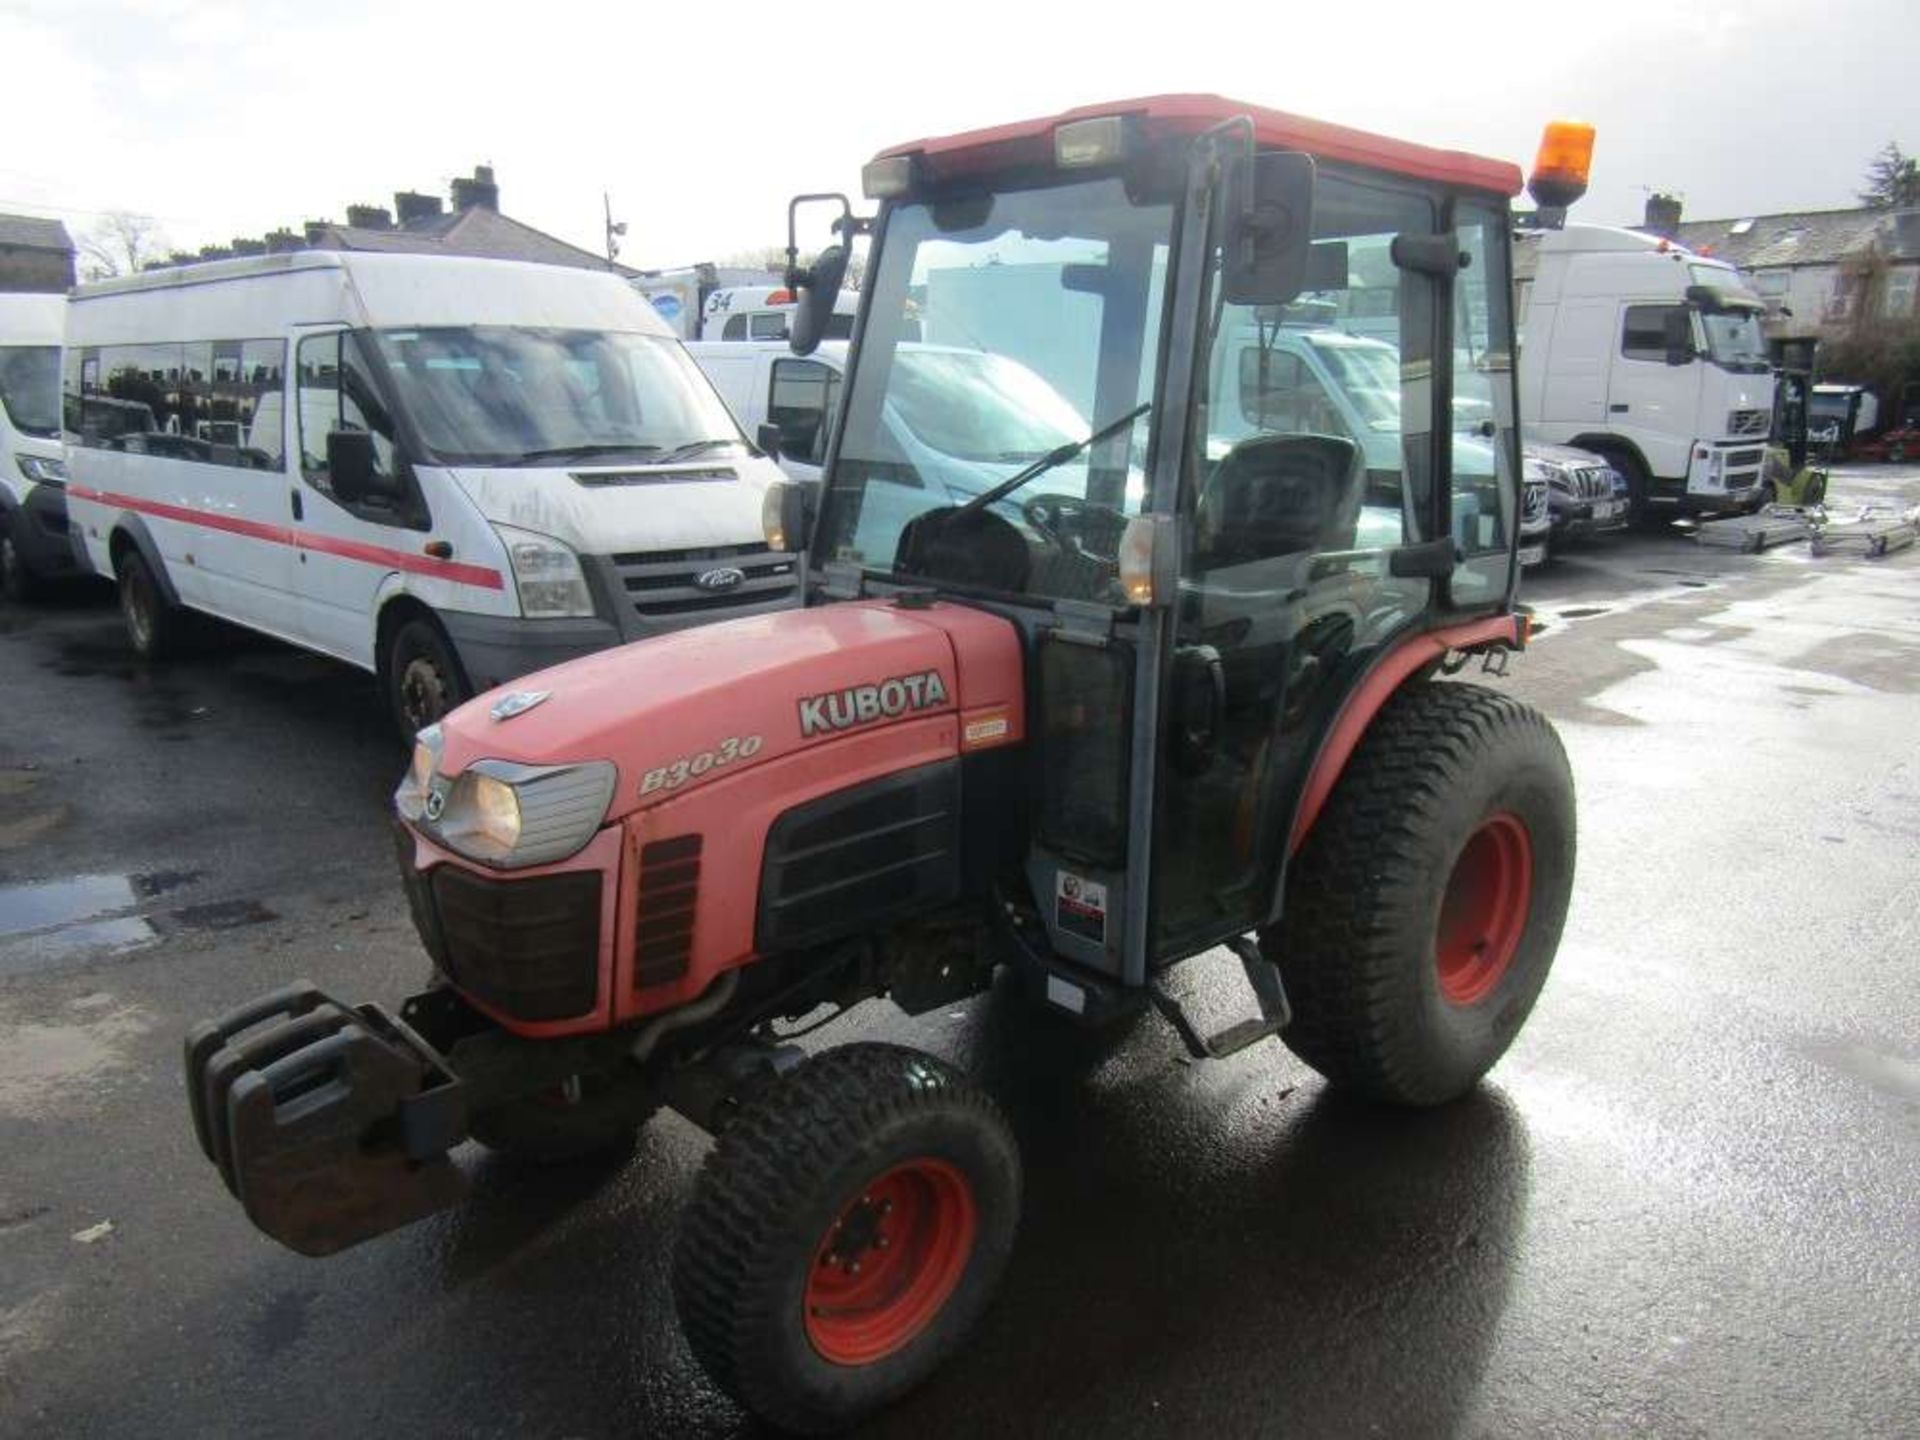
(845, 1235)
(1423, 912)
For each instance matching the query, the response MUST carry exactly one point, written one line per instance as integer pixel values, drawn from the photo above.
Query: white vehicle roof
(373, 290)
(33, 319)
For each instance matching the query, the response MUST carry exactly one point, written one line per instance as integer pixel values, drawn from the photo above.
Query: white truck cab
(448, 471)
(1649, 355)
(34, 541)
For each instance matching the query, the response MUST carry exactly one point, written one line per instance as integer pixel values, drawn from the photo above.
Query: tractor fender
(1392, 670)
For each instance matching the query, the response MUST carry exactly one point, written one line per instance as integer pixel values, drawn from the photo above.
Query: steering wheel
(1069, 523)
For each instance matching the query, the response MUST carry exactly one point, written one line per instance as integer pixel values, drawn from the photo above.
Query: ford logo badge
(725, 578)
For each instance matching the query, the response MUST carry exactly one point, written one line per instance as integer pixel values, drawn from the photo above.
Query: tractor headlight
(505, 814)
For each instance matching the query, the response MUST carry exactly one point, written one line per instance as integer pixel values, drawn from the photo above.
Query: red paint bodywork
(1374, 690)
(648, 704)
(1031, 141)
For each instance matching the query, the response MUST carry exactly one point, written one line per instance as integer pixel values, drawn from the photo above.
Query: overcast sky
(223, 118)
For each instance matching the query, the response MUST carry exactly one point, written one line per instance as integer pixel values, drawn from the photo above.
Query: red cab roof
(1190, 114)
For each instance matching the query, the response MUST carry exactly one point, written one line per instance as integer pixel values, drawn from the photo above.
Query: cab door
(346, 548)
(1287, 591)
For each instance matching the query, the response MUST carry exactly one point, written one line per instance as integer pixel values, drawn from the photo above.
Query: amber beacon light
(1560, 169)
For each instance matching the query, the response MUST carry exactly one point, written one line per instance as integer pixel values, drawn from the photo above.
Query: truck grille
(665, 584)
(1745, 459)
(1748, 422)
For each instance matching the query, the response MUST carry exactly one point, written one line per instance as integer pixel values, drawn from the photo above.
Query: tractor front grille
(669, 897)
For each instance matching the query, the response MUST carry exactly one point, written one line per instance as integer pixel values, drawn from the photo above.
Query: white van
(34, 540)
(447, 471)
(1645, 353)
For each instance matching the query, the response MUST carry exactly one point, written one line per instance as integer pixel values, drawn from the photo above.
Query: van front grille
(663, 585)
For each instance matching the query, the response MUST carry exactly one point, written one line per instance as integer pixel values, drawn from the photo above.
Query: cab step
(1268, 992)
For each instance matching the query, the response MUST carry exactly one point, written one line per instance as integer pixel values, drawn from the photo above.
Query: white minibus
(34, 541)
(447, 471)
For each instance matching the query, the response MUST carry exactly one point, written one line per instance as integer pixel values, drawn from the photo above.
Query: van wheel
(1423, 912)
(16, 582)
(153, 626)
(424, 679)
(845, 1235)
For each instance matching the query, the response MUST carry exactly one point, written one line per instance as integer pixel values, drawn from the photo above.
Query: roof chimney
(316, 230)
(478, 193)
(242, 245)
(284, 242)
(412, 207)
(369, 217)
(1663, 215)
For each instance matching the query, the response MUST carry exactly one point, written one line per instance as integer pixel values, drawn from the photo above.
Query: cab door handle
(1617, 409)
(299, 510)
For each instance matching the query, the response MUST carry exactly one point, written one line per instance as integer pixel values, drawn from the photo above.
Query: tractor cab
(1204, 581)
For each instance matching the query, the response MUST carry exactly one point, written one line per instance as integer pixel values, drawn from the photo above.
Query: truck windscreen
(1734, 341)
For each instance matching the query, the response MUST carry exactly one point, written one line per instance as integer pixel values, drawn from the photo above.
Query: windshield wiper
(1058, 456)
(582, 452)
(697, 447)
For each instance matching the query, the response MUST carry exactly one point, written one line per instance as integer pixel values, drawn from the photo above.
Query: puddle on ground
(1582, 612)
(48, 903)
(91, 937)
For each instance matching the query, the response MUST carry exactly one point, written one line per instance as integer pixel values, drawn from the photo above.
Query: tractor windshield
(1000, 326)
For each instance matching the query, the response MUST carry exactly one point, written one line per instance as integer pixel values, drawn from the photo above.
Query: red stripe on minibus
(454, 570)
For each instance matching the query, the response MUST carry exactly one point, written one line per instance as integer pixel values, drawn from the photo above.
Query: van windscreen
(514, 395)
(30, 388)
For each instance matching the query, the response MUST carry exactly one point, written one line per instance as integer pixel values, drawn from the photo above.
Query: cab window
(335, 391)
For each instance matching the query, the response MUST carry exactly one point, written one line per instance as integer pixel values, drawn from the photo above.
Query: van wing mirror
(353, 469)
(350, 464)
(1267, 220)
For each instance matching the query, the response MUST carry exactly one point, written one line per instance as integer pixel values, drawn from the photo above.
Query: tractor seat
(1276, 495)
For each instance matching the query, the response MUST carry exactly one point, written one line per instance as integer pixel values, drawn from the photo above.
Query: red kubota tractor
(1122, 645)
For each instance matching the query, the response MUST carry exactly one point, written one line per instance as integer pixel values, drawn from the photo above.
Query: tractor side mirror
(1267, 234)
(1678, 327)
(818, 287)
(768, 439)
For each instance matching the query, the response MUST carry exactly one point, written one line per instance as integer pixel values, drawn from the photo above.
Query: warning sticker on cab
(1080, 906)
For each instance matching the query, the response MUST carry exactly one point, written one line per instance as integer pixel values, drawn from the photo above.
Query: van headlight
(505, 814)
(43, 469)
(547, 575)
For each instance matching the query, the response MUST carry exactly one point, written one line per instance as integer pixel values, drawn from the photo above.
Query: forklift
(1184, 683)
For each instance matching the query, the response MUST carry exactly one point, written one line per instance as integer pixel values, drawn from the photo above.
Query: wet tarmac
(1688, 1203)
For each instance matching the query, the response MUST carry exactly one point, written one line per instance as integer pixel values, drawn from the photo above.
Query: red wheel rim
(1484, 911)
(889, 1262)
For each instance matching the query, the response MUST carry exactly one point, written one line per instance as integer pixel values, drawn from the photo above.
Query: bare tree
(119, 244)
(1893, 180)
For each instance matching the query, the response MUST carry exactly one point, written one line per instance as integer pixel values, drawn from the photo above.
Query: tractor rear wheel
(1423, 911)
(846, 1234)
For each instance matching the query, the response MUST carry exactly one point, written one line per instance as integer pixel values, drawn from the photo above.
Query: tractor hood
(675, 712)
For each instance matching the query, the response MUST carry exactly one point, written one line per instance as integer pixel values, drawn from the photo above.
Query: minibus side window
(335, 392)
